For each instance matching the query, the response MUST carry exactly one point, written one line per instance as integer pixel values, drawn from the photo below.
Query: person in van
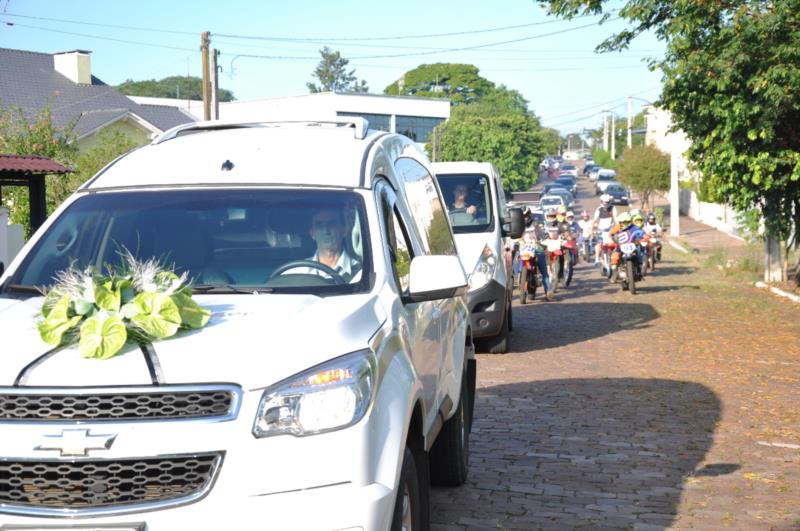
(462, 213)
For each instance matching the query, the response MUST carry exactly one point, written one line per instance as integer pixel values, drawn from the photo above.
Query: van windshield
(469, 202)
(288, 241)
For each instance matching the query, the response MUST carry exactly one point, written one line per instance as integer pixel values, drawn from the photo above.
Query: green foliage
(731, 73)
(645, 169)
(551, 140)
(748, 224)
(460, 83)
(143, 302)
(178, 87)
(332, 74)
(20, 135)
(603, 158)
(513, 141)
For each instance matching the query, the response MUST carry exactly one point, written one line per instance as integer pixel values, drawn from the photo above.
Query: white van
(476, 203)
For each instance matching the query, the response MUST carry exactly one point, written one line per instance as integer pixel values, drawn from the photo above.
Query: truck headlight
(484, 269)
(330, 396)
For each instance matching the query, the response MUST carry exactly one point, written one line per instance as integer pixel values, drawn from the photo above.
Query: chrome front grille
(86, 485)
(141, 403)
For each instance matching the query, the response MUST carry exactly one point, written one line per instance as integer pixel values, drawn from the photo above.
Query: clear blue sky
(551, 62)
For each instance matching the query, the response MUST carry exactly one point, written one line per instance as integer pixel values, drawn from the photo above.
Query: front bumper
(487, 307)
(335, 507)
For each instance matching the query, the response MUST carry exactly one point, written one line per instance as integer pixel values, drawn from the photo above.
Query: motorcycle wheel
(554, 276)
(523, 286)
(568, 271)
(630, 272)
(651, 260)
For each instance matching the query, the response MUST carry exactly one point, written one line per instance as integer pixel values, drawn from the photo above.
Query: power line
(113, 26)
(443, 50)
(125, 41)
(397, 37)
(598, 104)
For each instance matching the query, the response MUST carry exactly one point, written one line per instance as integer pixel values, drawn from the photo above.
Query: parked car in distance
(569, 168)
(481, 227)
(589, 167)
(619, 195)
(569, 199)
(604, 178)
(567, 181)
(316, 397)
(548, 202)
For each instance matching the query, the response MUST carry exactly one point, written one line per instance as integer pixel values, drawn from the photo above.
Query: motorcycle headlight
(327, 397)
(484, 269)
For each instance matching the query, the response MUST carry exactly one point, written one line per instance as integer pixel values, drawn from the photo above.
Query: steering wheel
(313, 264)
(63, 246)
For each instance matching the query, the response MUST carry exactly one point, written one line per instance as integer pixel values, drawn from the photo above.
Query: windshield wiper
(23, 288)
(228, 288)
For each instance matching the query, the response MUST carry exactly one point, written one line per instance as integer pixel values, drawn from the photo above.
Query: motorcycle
(560, 252)
(528, 273)
(587, 249)
(625, 261)
(654, 252)
(606, 250)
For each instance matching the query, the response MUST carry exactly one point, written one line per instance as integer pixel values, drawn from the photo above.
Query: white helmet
(605, 198)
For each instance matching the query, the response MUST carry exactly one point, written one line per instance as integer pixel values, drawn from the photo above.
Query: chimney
(75, 65)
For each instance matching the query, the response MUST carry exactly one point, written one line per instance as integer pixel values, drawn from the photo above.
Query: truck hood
(470, 247)
(250, 340)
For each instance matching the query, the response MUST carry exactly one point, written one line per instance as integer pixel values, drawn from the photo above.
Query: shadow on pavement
(582, 454)
(535, 326)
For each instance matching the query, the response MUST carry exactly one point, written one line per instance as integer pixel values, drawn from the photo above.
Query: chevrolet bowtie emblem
(76, 442)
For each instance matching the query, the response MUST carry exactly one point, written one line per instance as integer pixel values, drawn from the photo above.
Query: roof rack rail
(360, 126)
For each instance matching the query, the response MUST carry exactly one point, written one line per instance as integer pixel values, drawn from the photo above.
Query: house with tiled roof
(64, 82)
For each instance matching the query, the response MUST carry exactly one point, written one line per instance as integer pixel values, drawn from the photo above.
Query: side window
(426, 206)
(400, 250)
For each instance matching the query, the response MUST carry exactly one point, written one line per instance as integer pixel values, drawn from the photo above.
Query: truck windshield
(469, 202)
(291, 241)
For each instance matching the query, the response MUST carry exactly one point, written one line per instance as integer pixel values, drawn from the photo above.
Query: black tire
(568, 269)
(499, 343)
(630, 270)
(554, 281)
(408, 506)
(472, 380)
(449, 457)
(651, 260)
(523, 285)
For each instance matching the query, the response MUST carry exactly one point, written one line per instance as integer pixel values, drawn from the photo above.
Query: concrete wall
(12, 237)
(721, 217)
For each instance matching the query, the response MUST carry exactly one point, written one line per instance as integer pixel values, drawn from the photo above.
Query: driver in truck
(328, 230)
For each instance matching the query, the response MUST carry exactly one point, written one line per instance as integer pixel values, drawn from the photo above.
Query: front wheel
(568, 269)
(651, 260)
(449, 457)
(629, 272)
(408, 505)
(523, 285)
(554, 280)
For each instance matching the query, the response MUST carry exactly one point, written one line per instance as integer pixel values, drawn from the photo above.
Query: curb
(778, 291)
(678, 246)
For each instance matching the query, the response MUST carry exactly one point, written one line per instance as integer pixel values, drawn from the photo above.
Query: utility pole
(205, 39)
(613, 139)
(630, 123)
(214, 84)
(605, 130)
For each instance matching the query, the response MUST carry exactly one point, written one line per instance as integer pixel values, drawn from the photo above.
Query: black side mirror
(2, 268)
(514, 224)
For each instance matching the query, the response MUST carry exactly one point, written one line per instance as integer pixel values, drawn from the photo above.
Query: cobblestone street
(676, 407)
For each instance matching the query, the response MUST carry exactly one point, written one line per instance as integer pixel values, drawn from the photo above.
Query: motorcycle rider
(586, 231)
(605, 217)
(653, 229)
(533, 242)
(635, 235)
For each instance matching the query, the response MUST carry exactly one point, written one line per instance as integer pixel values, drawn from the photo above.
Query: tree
(513, 141)
(20, 135)
(551, 140)
(644, 169)
(333, 75)
(460, 83)
(178, 87)
(730, 72)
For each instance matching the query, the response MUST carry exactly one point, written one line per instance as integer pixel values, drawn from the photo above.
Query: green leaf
(107, 297)
(83, 307)
(127, 293)
(158, 315)
(102, 338)
(192, 314)
(57, 323)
